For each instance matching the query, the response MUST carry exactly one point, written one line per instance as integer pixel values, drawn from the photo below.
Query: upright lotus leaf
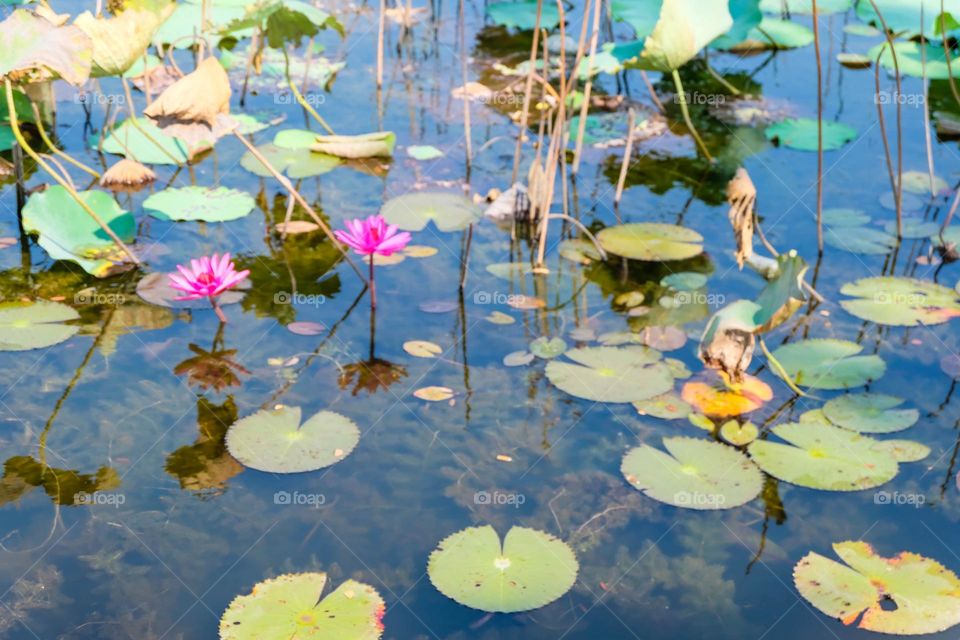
(805, 7)
(207, 204)
(746, 16)
(728, 341)
(120, 41)
(530, 570)
(782, 295)
(289, 607)
(907, 594)
(273, 440)
(198, 96)
(35, 49)
(611, 374)
(367, 145)
(35, 325)
(651, 241)
(523, 14)
(684, 28)
(903, 16)
(67, 231)
(870, 413)
(801, 134)
(902, 302)
(294, 163)
(821, 456)
(829, 364)
(642, 16)
(412, 211)
(127, 140)
(695, 474)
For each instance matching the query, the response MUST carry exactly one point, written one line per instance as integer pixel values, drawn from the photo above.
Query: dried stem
(47, 141)
(528, 90)
(897, 182)
(627, 153)
(816, 48)
(587, 88)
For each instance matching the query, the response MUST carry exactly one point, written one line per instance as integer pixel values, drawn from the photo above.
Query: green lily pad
(651, 241)
(518, 359)
(35, 325)
(841, 217)
(127, 140)
(913, 228)
(907, 594)
(424, 152)
(548, 348)
(862, 240)
(919, 182)
(294, 163)
(902, 302)
(911, 63)
(448, 211)
(801, 134)
(289, 607)
(821, 456)
(903, 450)
(35, 50)
(67, 231)
(773, 34)
(531, 569)
(523, 14)
(684, 281)
(199, 203)
(666, 406)
(275, 441)
(829, 364)
(738, 434)
(854, 60)
(903, 16)
(695, 474)
(870, 413)
(611, 374)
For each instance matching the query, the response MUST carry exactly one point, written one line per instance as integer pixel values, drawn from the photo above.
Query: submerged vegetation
(647, 282)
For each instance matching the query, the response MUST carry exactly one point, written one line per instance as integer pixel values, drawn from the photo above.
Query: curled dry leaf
(127, 173)
(434, 394)
(742, 196)
(198, 96)
(296, 226)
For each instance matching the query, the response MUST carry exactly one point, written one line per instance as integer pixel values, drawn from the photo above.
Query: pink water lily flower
(373, 236)
(207, 277)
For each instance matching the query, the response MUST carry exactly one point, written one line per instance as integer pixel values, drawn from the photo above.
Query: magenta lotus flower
(373, 236)
(207, 277)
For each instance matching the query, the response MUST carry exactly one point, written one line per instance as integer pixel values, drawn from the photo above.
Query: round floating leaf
(821, 456)
(156, 147)
(870, 413)
(518, 359)
(34, 325)
(422, 348)
(275, 441)
(530, 570)
(913, 228)
(908, 202)
(651, 241)
(424, 152)
(903, 450)
(499, 317)
(696, 474)
(919, 182)
(828, 364)
(434, 394)
(294, 163)
(289, 606)
(611, 374)
(412, 211)
(907, 594)
(306, 328)
(155, 288)
(801, 134)
(67, 231)
(685, 281)
(854, 60)
(739, 434)
(845, 217)
(862, 240)
(721, 400)
(772, 33)
(548, 348)
(666, 406)
(199, 203)
(911, 63)
(904, 302)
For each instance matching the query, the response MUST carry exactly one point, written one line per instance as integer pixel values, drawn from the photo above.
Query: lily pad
(862, 240)
(718, 399)
(548, 348)
(276, 442)
(424, 152)
(772, 33)
(156, 147)
(67, 231)
(829, 364)
(801, 134)
(907, 594)
(422, 348)
(903, 450)
(821, 456)
(695, 474)
(666, 406)
(611, 374)
(738, 434)
(684, 281)
(35, 325)
(913, 228)
(531, 569)
(523, 14)
(841, 217)
(870, 413)
(903, 302)
(518, 359)
(448, 211)
(651, 241)
(294, 163)
(919, 182)
(289, 606)
(199, 203)
(155, 288)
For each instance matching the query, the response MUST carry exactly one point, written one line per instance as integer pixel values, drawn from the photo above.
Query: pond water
(136, 397)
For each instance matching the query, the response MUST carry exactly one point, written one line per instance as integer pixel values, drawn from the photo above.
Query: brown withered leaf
(742, 196)
(198, 96)
(127, 173)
